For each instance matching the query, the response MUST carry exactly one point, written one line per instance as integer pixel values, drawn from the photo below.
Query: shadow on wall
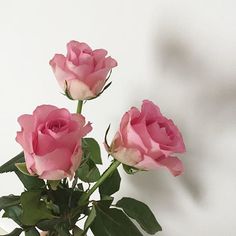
(203, 98)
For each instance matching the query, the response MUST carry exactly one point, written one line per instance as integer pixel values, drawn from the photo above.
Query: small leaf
(90, 219)
(22, 168)
(111, 184)
(98, 228)
(67, 92)
(32, 232)
(111, 221)
(47, 225)
(106, 201)
(15, 232)
(78, 232)
(88, 172)
(10, 165)
(8, 201)
(93, 149)
(30, 182)
(130, 169)
(54, 184)
(105, 138)
(14, 213)
(105, 87)
(141, 213)
(62, 230)
(34, 209)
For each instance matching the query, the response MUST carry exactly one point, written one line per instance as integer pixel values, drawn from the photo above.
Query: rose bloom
(148, 140)
(83, 72)
(51, 140)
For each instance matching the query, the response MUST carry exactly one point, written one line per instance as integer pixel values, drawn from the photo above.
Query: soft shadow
(205, 99)
(211, 94)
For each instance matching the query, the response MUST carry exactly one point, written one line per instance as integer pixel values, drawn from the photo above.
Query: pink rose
(147, 140)
(51, 139)
(83, 70)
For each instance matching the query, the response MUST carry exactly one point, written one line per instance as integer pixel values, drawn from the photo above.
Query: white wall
(180, 54)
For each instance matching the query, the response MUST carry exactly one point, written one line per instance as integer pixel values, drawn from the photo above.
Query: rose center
(57, 125)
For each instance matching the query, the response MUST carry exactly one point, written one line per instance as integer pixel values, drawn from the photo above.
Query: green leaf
(88, 172)
(14, 213)
(30, 182)
(111, 184)
(54, 184)
(106, 201)
(92, 149)
(22, 168)
(90, 219)
(130, 169)
(62, 230)
(78, 232)
(34, 209)
(8, 201)
(141, 213)
(98, 228)
(10, 165)
(111, 221)
(32, 232)
(105, 138)
(47, 225)
(15, 232)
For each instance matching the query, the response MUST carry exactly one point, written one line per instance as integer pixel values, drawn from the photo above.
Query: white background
(180, 54)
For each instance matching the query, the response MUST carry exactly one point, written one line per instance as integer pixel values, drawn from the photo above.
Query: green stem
(79, 107)
(78, 111)
(105, 175)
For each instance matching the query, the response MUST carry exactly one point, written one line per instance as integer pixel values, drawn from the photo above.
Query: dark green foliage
(141, 213)
(111, 184)
(8, 201)
(34, 209)
(10, 165)
(112, 221)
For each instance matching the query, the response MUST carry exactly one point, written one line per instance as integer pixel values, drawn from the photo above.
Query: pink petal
(158, 135)
(134, 140)
(60, 69)
(58, 114)
(54, 175)
(59, 159)
(130, 137)
(26, 140)
(86, 59)
(151, 111)
(148, 163)
(177, 143)
(29, 160)
(99, 54)
(41, 112)
(141, 130)
(80, 71)
(45, 144)
(110, 63)
(174, 165)
(128, 156)
(99, 65)
(75, 160)
(26, 122)
(92, 80)
(77, 47)
(79, 90)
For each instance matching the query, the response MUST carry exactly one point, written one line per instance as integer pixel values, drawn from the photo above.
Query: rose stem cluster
(105, 175)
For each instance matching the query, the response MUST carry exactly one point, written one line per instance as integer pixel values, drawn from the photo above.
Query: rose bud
(51, 140)
(83, 72)
(148, 140)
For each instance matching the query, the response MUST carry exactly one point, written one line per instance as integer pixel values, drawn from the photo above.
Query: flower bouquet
(59, 163)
